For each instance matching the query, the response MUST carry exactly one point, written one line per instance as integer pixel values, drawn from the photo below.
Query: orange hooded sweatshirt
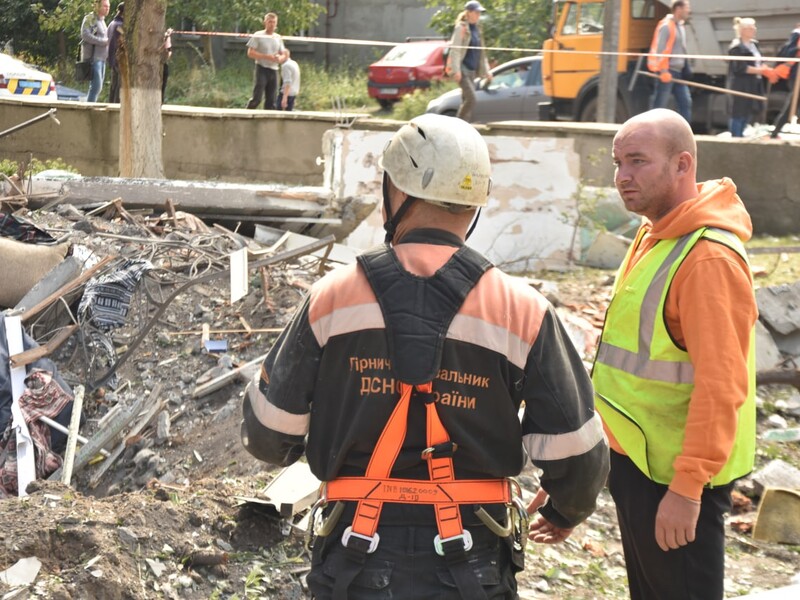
(710, 311)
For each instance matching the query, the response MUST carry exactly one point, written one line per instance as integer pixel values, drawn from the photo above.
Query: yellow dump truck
(571, 70)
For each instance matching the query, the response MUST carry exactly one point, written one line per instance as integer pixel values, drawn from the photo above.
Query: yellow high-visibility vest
(643, 381)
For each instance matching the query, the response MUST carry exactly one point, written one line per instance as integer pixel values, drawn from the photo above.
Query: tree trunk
(141, 61)
(607, 86)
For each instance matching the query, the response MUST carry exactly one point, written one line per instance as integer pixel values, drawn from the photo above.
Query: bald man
(674, 374)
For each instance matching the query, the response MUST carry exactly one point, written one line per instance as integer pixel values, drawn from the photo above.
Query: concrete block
(607, 251)
(768, 355)
(777, 474)
(778, 519)
(789, 343)
(779, 307)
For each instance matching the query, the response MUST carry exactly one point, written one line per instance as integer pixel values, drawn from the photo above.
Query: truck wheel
(589, 112)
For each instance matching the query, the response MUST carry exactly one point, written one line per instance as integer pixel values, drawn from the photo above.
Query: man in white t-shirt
(265, 47)
(290, 74)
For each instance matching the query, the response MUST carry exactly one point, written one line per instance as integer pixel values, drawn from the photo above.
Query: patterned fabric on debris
(107, 299)
(42, 397)
(22, 231)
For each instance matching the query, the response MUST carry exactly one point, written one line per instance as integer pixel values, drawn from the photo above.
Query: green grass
(193, 81)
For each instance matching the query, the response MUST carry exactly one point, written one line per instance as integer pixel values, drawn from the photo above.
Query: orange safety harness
(656, 64)
(443, 491)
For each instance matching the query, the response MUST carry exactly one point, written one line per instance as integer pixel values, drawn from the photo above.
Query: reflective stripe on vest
(643, 381)
(656, 64)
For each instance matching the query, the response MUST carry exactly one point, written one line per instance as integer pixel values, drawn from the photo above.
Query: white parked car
(19, 81)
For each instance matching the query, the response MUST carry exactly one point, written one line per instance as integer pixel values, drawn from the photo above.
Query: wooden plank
(156, 405)
(103, 437)
(221, 381)
(242, 331)
(72, 436)
(72, 285)
(25, 358)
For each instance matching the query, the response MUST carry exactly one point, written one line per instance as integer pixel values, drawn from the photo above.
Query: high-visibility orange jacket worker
(667, 58)
(402, 377)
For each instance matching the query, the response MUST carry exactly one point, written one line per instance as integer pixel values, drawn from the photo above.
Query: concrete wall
(275, 147)
(199, 143)
(765, 173)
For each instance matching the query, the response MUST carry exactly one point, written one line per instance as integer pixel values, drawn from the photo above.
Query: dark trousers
(289, 102)
(113, 91)
(784, 115)
(693, 572)
(164, 77)
(405, 566)
(468, 99)
(266, 87)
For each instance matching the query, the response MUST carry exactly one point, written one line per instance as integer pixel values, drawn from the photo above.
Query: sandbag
(23, 265)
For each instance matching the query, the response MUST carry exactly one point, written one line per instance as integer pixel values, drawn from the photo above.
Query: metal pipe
(50, 113)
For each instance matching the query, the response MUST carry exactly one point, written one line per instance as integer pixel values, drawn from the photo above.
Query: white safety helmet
(439, 159)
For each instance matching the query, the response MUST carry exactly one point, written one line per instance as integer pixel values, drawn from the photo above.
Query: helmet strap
(474, 223)
(392, 221)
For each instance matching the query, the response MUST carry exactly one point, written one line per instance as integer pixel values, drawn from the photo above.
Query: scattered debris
(173, 505)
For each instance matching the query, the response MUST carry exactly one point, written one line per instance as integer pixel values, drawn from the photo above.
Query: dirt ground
(165, 521)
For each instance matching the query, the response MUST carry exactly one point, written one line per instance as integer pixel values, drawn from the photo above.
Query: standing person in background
(787, 71)
(674, 375)
(94, 45)
(670, 38)
(467, 58)
(290, 76)
(745, 75)
(115, 36)
(167, 50)
(265, 47)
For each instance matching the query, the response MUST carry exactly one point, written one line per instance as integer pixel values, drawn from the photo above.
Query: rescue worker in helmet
(401, 378)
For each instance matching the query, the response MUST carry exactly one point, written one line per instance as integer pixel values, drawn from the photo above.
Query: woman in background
(467, 58)
(745, 75)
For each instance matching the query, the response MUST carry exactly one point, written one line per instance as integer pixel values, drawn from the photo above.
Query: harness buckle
(314, 519)
(443, 450)
(522, 520)
(438, 542)
(350, 534)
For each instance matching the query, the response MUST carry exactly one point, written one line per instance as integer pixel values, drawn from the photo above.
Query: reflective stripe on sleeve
(542, 446)
(274, 418)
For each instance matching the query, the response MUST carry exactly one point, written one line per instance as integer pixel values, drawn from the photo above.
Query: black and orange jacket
(327, 388)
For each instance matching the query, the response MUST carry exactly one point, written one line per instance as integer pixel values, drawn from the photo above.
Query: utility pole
(607, 87)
